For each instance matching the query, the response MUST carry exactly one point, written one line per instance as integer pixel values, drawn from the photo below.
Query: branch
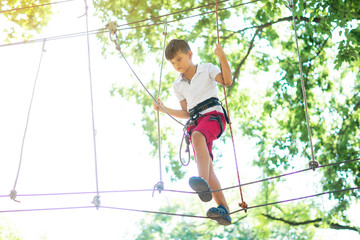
(335, 226)
(242, 62)
(259, 29)
(292, 223)
(265, 25)
(341, 227)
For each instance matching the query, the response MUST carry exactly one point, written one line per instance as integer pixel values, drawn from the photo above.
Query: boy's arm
(226, 77)
(183, 113)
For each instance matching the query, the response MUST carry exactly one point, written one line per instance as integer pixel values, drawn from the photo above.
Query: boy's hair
(175, 46)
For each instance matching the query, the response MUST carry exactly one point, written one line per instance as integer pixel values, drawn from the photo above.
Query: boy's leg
(203, 159)
(205, 167)
(215, 185)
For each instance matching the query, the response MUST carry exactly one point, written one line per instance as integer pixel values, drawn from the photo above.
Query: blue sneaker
(199, 185)
(219, 214)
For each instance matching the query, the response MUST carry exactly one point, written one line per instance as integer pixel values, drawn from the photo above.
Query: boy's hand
(156, 106)
(219, 51)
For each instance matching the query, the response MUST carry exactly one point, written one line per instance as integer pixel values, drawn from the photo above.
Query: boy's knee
(197, 136)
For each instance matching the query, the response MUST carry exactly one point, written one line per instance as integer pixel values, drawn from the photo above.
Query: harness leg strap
(218, 119)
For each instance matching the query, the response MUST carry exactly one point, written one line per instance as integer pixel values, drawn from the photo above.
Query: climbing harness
(208, 103)
(194, 116)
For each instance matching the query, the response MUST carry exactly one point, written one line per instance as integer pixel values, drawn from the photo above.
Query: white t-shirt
(201, 87)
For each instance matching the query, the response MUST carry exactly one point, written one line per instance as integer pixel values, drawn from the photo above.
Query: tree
(6, 233)
(272, 113)
(24, 18)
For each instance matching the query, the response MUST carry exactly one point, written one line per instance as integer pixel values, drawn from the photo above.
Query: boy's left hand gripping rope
(112, 27)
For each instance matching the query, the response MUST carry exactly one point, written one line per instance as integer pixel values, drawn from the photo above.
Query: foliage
(261, 52)
(252, 225)
(23, 18)
(6, 233)
(271, 109)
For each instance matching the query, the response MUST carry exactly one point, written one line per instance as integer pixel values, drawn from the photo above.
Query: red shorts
(209, 127)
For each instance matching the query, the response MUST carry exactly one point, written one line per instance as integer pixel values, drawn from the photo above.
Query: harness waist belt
(208, 103)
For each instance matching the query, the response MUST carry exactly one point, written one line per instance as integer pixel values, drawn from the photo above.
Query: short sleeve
(178, 94)
(213, 71)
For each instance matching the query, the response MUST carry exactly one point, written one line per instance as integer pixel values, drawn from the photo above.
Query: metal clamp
(12, 195)
(96, 201)
(159, 186)
(112, 27)
(313, 165)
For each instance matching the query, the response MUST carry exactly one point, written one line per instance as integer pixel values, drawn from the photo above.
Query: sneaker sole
(200, 186)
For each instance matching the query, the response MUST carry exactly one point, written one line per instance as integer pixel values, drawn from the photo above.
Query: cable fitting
(112, 27)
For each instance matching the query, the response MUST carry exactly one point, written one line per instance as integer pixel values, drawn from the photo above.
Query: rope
(112, 31)
(242, 204)
(187, 192)
(103, 30)
(160, 185)
(312, 163)
(185, 137)
(13, 192)
(297, 199)
(43, 209)
(185, 215)
(96, 200)
(34, 6)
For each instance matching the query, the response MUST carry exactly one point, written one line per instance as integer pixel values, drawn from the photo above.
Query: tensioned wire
(184, 215)
(188, 192)
(34, 6)
(122, 26)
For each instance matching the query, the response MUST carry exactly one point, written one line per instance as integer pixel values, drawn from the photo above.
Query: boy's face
(182, 61)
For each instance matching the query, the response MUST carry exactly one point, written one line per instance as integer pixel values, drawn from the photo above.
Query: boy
(196, 90)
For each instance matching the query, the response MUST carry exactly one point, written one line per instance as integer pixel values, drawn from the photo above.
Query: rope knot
(13, 194)
(313, 165)
(159, 186)
(244, 206)
(96, 201)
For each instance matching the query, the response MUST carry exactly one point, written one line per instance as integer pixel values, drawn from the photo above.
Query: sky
(58, 153)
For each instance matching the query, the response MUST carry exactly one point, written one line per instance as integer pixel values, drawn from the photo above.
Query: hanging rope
(112, 27)
(13, 192)
(160, 185)
(185, 137)
(243, 204)
(313, 164)
(96, 200)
